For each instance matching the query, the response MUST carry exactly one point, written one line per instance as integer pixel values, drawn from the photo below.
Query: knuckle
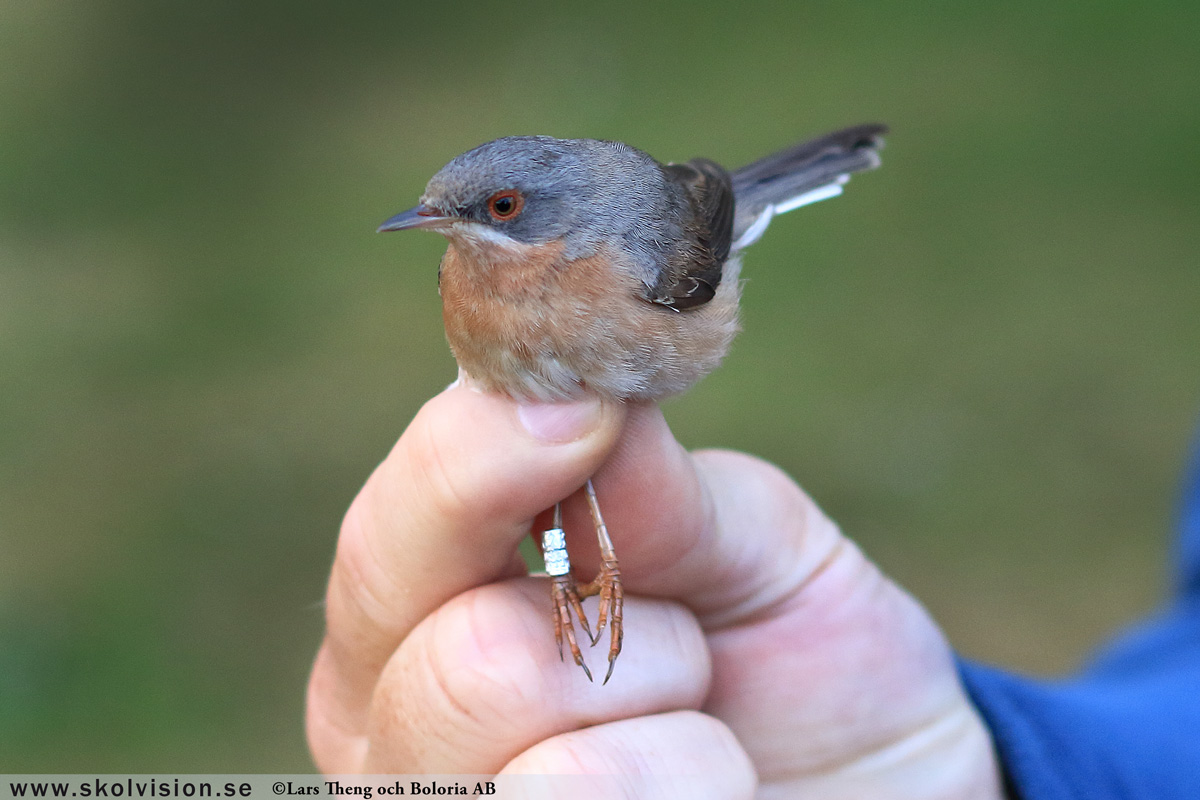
(443, 479)
(358, 574)
(460, 689)
(487, 658)
(469, 671)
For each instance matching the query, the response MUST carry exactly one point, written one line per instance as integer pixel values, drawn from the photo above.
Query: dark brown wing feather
(693, 272)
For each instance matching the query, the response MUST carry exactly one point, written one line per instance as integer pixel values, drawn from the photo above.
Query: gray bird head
(538, 189)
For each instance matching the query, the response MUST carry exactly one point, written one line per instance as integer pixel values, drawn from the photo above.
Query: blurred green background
(981, 360)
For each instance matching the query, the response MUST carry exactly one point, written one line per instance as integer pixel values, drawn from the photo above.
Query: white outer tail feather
(756, 230)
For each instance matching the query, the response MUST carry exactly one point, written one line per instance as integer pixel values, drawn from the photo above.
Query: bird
(580, 266)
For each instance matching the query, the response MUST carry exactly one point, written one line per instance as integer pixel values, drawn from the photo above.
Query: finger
(772, 539)
(726, 533)
(818, 659)
(860, 681)
(679, 754)
(479, 681)
(442, 513)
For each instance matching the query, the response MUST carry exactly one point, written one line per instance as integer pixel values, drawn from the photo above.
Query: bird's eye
(505, 205)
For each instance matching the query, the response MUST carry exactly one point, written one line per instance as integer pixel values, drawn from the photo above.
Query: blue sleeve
(1129, 725)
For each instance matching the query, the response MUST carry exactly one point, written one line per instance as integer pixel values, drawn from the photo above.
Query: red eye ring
(505, 205)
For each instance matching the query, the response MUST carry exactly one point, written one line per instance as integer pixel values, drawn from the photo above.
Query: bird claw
(567, 603)
(568, 596)
(612, 601)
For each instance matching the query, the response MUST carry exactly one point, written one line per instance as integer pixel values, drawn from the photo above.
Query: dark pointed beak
(422, 216)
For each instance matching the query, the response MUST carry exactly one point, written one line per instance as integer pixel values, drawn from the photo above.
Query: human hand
(763, 652)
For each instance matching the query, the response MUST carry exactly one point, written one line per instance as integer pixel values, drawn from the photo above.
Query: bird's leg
(563, 590)
(607, 584)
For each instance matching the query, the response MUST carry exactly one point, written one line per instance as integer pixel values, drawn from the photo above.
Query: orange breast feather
(527, 322)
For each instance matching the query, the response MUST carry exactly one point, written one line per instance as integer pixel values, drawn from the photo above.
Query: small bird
(579, 265)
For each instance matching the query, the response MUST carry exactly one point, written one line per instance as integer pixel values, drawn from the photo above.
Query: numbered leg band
(554, 551)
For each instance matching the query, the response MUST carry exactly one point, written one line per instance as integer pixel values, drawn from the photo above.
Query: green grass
(981, 360)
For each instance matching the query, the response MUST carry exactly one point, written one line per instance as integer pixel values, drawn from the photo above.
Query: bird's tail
(798, 176)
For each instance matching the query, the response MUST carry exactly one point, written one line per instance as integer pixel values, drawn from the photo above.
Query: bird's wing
(693, 273)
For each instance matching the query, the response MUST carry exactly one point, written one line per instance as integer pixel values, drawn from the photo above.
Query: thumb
(444, 512)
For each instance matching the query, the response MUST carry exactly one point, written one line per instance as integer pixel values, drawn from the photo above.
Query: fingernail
(558, 423)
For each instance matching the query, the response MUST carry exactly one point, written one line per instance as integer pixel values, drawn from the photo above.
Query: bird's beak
(422, 216)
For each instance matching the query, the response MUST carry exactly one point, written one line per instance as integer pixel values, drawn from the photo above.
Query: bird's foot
(564, 592)
(567, 602)
(612, 600)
